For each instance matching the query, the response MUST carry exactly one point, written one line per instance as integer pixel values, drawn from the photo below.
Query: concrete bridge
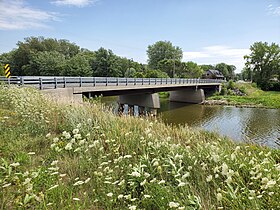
(132, 91)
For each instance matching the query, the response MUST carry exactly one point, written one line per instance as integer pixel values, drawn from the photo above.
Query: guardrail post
(117, 82)
(55, 83)
(134, 81)
(81, 81)
(94, 81)
(21, 81)
(166, 80)
(126, 81)
(142, 81)
(161, 81)
(64, 80)
(106, 81)
(41, 83)
(155, 81)
(149, 81)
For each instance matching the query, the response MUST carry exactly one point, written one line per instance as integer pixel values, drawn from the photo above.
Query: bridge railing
(46, 82)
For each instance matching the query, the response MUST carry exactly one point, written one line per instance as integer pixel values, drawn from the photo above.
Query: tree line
(39, 56)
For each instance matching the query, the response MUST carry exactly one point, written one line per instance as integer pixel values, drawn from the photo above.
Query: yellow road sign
(7, 70)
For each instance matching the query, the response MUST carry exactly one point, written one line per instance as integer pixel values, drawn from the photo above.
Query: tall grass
(73, 156)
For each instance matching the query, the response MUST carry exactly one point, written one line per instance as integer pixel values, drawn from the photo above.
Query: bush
(231, 85)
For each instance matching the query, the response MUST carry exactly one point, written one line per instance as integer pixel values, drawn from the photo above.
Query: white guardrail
(47, 82)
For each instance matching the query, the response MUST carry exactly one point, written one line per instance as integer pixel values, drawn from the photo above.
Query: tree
(190, 70)
(78, 65)
(155, 74)
(105, 64)
(206, 67)
(264, 62)
(162, 50)
(170, 67)
(46, 63)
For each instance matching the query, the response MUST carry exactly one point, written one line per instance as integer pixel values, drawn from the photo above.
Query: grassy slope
(71, 156)
(270, 99)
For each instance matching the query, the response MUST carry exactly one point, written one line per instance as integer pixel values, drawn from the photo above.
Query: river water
(261, 126)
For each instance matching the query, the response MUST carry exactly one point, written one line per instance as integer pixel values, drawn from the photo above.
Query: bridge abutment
(187, 96)
(64, 94)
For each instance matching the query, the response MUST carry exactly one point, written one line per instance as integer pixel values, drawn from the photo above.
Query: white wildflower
(181, 184)
(6, 185)
(147, 196)
(135, 174)
(76, 199)
(48, 135)
(144, 182)
(110, 194)
(75, 131)
(209, 178)
(219, 196)
(15, 164)
(78, 183)
(55, 140)
(132, 207)
(161, 182)
(187, 174)
(31, 153)
(173, 204)
(68, 146)
(120, 196)
(53, 187)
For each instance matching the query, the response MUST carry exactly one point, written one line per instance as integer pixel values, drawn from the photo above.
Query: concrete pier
(142, 100)
(187, 96)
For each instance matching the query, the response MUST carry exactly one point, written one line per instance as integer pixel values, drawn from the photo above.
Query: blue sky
(208, 31)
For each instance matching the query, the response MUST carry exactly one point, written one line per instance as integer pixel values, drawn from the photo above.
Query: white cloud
(15, 14)
(272, 10)
(77, 3)
(218, 54)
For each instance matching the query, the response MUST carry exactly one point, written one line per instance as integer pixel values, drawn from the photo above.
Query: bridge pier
(142, 100)
(195, 96)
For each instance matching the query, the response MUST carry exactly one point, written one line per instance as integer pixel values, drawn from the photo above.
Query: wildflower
(147, 196)
(161, 182)
(68, 146)
(75, 131)
(77, 136)
(135, 174)
(66, 135)
(147, 175)
(110, 194)
(53, 187)
(155, 163)
(87, 180)
(173, 204)
(143, 183)
(132, 207)
(6, 185)
(209, 178)
(15, 164)
(224, 169)
(76, 199)
(78, 183)
(181, 184)
(219, 196)
(62, 175)
(187, 174)
(48, 135)
(54, 162)
(127, 156)
(120, 196)
(133, 199)
(55, 140)
(31, 153)
(270, 184)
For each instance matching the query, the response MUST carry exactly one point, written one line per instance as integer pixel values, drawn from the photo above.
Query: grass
(254, 96)
(73, 156)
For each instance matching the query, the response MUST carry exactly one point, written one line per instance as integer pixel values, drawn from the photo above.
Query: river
(259, 125)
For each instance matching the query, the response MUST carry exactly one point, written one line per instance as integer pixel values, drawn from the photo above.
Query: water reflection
(241, 124)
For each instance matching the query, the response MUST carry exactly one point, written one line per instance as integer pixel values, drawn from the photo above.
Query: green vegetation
(253, 96)
(81, 156)
(263, 65)
(46, 56)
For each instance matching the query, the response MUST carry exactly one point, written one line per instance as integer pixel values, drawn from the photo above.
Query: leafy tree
(46, 63)
(155, 74)
(190, 70)
(206, 67)
(105, 64)
(162, 50)
(264, 62)
(78, 65)
(170, 66)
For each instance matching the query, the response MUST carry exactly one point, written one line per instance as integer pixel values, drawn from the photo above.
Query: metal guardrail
(46, 82)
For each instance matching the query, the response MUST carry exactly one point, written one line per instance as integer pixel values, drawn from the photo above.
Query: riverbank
(253, 97)
(61, 156)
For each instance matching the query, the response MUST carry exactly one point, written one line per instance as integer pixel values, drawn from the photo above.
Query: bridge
(132, 91)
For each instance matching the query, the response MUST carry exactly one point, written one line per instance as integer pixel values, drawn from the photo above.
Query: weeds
(72, 156)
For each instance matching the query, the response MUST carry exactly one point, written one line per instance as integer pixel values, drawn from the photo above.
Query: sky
(208, 31)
